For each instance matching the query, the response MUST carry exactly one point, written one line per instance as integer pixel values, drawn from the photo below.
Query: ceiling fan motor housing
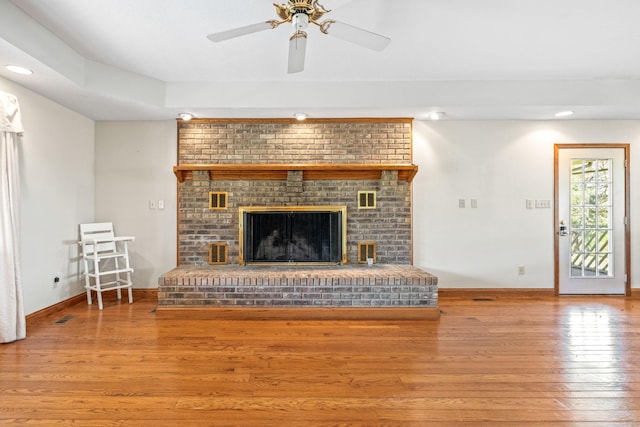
(301, 6)
(300, 21)
(310, 8)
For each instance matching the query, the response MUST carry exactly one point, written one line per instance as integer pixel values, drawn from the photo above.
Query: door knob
(563, 229)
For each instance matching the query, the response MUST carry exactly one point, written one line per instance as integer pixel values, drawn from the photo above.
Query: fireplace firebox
(293, 235)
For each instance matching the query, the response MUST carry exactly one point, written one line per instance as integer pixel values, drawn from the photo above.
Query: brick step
(334, 286)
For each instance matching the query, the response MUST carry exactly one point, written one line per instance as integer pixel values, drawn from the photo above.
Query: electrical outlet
(152, 204)
(461, 203)
(521, 270)
(528, 204)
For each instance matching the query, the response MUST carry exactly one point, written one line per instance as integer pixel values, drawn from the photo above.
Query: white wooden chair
(105, 259)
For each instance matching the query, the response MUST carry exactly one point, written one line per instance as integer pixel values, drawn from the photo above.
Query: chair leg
(99, 293)
(98, 286)
(117, 267)
(129, 289)
(87, 284)
(87, 281)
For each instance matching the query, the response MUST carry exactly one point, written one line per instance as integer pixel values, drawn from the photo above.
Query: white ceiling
(473, 59)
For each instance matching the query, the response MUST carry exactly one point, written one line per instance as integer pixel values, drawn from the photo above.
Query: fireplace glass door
(292, 237)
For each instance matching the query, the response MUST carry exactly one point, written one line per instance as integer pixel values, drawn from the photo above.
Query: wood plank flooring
(504, 361)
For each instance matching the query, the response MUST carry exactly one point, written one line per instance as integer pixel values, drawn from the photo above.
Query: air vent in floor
(65, 319)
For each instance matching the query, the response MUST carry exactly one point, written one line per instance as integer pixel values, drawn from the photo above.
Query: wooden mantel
(406, 172)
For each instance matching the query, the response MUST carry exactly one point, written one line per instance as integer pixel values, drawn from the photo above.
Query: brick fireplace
(225, 166)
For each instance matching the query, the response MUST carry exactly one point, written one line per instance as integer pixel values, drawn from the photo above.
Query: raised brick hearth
(352, 286)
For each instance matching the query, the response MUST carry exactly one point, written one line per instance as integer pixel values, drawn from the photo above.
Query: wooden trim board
(301, 313)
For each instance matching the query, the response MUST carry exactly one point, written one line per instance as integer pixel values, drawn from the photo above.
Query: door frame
(627, 204)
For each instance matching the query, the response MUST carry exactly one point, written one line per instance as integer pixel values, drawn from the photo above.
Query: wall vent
(218, 200)
(366, 250)
(218, 253)
(366, 199)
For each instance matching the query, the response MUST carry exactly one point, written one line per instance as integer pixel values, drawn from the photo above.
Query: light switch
(543, 204)
(160, 204)
(152, 204)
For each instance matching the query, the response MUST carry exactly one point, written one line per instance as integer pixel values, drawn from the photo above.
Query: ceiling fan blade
(297, 50)
(355, 35)
(241, 31)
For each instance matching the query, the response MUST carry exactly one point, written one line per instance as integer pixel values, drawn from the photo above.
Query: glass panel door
(591, 205)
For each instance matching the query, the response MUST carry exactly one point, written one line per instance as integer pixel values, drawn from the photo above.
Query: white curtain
(12, 318)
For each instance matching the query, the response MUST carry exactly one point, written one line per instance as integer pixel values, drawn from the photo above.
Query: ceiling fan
(301, 13)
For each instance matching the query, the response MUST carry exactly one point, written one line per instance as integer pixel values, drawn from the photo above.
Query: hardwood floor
(499, 361)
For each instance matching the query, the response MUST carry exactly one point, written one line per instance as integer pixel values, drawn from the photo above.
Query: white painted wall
(134, 165)
(57, 193)
(501, 164)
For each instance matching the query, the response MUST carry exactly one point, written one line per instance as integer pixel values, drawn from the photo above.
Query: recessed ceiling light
(565, 113)
(185, 116)
(436, 115)
(19, 70)
(300, 116)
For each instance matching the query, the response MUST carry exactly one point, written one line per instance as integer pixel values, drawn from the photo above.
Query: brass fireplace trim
(323, 208)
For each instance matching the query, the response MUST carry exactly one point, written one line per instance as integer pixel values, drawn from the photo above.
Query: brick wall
(315, 142)
(374, 141)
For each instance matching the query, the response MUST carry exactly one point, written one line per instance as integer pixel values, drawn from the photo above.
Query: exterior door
(591, 215)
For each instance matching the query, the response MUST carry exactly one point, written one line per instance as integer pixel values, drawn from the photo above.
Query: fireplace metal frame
(322, 208)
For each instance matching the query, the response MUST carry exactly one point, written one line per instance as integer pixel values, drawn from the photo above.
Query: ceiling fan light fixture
(565, 113)
(185, 116)
(19, 70)
(300, 21)
(300, 116)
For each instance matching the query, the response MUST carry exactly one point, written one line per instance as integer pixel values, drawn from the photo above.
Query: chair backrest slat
(101, 230)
